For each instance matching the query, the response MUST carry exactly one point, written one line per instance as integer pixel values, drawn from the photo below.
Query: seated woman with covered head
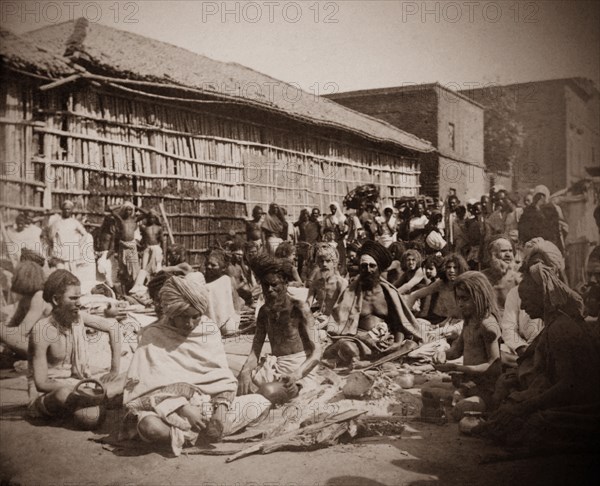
(179, 386)
(559, 398)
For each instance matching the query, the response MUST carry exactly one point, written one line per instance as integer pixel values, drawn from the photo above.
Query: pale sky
(348, 45)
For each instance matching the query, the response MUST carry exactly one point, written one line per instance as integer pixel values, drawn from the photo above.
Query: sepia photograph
(299, 243)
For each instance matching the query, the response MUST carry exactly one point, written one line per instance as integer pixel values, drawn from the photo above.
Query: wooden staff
(164, 215)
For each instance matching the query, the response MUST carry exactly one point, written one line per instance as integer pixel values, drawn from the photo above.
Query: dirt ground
(39, 453)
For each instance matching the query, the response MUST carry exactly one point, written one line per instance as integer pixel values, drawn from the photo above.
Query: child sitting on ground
(432, 268)
(478, 344)
(444, 311)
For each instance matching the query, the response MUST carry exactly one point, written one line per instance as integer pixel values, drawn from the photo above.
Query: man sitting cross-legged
(179, 386)
(292, 333)
(58, 354)
(370, 312)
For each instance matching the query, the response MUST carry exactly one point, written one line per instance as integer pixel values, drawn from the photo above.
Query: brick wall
(426, 112)
(582, 132)
(414, 112)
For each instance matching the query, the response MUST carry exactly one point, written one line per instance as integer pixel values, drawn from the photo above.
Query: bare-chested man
(58, 356)
(66, 237)
(152, 236)
(129, 262)
(325, 291)
(370, 316)
(292, 334)
(253, 227)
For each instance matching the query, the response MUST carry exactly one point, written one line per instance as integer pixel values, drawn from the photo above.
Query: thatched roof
(132, 56)
(19, 53)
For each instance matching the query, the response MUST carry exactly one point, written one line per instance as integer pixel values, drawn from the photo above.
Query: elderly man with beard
(291, 330)
(370, 316)
(501, 272)
(58, 353)
(325, 291)
(179, 387)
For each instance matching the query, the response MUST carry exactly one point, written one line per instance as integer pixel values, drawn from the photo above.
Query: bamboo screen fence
(99, 147)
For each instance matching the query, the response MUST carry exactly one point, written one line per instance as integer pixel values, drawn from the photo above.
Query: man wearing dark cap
(370, 315)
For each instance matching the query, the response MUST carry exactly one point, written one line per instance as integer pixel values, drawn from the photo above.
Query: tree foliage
(503, 133)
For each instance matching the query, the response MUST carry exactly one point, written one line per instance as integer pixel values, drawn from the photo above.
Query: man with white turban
(179, 385)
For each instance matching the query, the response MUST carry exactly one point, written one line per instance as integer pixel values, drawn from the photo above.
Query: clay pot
(469, 422)
(406, 379)
(89, 418)
(275, 392)
(88, 404)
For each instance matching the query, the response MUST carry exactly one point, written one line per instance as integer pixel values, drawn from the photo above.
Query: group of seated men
(179, 387)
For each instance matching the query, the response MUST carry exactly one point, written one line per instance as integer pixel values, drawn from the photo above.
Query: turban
(57, 283)
(378, 252)
(265, 264)
(179, 294)
(435, 241)
(325, 250)
(557, 295)
(67, 204)
(32, 256)
(547, 250)
(541, 189)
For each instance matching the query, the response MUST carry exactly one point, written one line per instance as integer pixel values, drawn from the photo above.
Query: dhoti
(129, 261)
(152, 258)
(273, 368)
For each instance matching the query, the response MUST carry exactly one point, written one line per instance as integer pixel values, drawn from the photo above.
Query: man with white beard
(325, 291)
(501, 272)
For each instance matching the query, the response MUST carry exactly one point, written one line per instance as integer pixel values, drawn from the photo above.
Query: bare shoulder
(262, 315)
(44, 331)
(490, 328)
(303, 309)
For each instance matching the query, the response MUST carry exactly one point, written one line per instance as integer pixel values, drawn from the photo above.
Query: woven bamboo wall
(99, 148)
